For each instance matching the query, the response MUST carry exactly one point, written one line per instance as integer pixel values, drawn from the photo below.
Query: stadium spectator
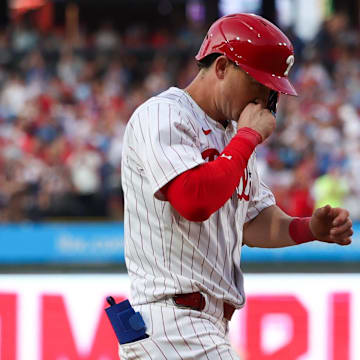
(65, 101)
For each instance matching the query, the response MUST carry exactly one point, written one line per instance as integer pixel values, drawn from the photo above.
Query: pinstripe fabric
(176, 334)
(166, 254)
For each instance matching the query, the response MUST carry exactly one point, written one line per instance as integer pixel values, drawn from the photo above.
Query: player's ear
(221, 65)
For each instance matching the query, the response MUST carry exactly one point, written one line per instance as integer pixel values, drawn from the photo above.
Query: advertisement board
(103, 243)
(286, 317)
(83, 242)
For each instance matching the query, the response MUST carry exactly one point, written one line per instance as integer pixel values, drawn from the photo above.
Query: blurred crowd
(65, 102)
(314, 157)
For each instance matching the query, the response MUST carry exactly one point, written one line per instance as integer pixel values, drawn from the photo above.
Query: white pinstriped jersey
(165, 253)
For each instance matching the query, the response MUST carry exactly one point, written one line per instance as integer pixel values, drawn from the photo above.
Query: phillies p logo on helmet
(290, 61)
(254, 44)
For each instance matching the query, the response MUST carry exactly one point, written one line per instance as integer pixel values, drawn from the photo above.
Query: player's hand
(332, 225)
(258, 118)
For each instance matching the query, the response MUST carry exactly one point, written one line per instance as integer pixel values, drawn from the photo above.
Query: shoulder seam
(158, 99)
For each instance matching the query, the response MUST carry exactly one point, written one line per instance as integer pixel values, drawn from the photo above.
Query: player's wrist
(251, 135)
(243, 144)
(300, 231)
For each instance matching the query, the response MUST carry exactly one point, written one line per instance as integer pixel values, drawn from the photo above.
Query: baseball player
(193, 195)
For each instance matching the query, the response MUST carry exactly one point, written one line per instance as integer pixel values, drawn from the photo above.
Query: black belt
(196, 301)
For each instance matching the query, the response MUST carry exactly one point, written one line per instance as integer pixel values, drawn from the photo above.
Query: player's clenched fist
(332, 225)
(258, 118)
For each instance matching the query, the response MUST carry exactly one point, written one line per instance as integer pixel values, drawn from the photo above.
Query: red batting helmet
(256, 45)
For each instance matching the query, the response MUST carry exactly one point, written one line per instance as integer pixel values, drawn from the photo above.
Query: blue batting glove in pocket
(128, 325)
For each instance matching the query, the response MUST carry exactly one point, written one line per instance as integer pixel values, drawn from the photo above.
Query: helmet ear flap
(272, 101)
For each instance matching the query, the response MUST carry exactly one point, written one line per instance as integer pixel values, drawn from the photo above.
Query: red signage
(276, 325)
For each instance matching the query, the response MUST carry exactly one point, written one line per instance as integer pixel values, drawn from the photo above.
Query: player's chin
(237, 112)
(236, 116)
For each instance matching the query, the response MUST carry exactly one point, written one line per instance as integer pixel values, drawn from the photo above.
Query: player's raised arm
(199, 192)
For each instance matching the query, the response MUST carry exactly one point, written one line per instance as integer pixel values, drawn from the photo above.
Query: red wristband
(299, 230)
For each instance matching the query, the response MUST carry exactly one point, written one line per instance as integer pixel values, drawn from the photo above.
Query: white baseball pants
(180, 333)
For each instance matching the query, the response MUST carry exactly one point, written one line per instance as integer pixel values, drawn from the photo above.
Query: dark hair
(207, 61)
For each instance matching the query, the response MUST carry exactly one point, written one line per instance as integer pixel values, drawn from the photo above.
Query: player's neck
(202, 93)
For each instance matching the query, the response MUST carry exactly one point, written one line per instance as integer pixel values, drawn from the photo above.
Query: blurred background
(71, 74)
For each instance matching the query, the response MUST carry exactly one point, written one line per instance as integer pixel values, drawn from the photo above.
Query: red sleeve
(199, 192)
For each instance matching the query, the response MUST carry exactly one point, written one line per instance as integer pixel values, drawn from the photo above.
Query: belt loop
(228, 311)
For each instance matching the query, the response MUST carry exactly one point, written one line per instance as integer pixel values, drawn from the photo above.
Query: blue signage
(92, 242)
(62, 243)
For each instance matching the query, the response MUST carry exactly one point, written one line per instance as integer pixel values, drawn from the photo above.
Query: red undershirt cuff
(251, 135)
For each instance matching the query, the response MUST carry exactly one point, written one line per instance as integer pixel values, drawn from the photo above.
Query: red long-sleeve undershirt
(199, 192)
